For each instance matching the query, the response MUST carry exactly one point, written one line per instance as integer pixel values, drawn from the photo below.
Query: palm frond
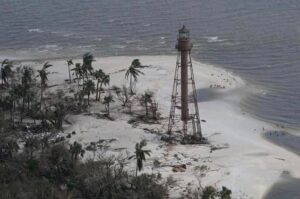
(70, 62)
(133, 156)
(47, 65)
(4, 62)
(127, 74)
(143, 143)
(147, 152)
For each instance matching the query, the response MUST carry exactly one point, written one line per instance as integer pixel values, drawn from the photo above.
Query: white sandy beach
(248, 164)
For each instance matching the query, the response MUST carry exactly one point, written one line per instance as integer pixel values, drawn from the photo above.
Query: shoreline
(284, 139)
(244, 109)
(247, 157)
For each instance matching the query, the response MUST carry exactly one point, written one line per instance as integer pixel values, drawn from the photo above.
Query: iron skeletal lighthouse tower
(183, 118)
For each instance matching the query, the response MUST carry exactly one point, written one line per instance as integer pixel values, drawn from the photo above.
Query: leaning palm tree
(87, 60)
(140, 155)
(43, 74)
(70, 63)
(6, 70)
(89, 88)
(107, 101)
(133, 73)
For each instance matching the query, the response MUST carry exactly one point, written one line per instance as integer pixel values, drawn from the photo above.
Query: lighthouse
(184, 112)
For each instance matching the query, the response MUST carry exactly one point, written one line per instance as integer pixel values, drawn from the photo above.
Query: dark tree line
(55, 172)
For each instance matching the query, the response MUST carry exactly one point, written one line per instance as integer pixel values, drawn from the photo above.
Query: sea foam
(214, 39)
(35, 30)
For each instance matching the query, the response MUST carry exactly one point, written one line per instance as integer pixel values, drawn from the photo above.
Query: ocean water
(258, 39)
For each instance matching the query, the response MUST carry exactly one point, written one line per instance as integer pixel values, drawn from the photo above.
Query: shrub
(57, 174)
(211, 192)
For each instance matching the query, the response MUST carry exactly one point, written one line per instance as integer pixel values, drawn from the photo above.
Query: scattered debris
(152, 131)
(179, 168)
(102, 144)
(218, 147)
(193, 139)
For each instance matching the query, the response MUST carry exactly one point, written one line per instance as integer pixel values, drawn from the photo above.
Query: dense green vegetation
(56, 173)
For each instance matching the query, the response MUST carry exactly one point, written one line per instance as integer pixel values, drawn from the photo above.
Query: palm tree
(133, 73)
(102, 79)
(146, 98)
(10, 104)
(107, 100)
(43, 74)
(78, 72)
(6, 70)
(98, 74)
(59, 115)
(27, 73)
(140, 155)
(89, 88)
(123, 95)
(69, 63)
(15, 94)
(105, 79)
(154, 108)
(30, 96)
(20, 93)
(87, 60)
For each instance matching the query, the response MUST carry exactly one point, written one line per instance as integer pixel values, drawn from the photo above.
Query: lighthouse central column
(184, 46)
(184, 86)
